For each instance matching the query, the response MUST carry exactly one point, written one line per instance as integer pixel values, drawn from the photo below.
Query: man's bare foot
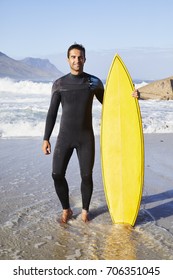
(66, 215)
(84, 216)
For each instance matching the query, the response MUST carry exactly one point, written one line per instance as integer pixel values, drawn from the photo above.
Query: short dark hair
(76, 46)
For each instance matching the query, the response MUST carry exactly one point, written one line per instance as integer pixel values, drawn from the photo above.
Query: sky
(140, 31)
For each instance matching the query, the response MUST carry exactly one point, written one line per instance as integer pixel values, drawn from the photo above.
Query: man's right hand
(46, 147)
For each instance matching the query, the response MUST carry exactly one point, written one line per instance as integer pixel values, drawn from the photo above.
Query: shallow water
(29, 210)
(29, 235)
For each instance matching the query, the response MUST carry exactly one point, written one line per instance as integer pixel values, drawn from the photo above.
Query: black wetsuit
(75, 93)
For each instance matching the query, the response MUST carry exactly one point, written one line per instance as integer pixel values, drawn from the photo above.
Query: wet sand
(29, 208)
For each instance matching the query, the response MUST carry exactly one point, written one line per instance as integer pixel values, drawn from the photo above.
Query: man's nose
(78, 59)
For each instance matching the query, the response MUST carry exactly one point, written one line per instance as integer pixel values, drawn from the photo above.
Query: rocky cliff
(161, 89)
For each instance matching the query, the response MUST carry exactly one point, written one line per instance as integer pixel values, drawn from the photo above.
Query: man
(75, 91)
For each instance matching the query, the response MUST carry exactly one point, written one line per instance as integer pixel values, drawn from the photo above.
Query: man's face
(76, 61)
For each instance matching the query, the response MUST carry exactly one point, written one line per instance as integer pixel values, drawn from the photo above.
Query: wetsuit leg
(62, 155)
(85, 154)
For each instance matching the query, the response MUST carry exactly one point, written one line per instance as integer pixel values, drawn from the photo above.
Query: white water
(24, 105)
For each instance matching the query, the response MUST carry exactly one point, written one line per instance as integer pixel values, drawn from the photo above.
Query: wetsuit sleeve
(52, 112)
(99, 91)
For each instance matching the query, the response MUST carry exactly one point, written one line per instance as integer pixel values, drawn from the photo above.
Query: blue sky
(140, 31)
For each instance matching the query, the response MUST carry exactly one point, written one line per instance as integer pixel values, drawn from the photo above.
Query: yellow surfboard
(122, 146)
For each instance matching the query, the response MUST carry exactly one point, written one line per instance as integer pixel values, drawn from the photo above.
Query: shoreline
(29, 207)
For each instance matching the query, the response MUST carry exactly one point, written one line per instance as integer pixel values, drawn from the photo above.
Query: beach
(29, 207)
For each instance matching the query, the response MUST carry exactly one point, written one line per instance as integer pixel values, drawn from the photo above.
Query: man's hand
(136, 93)
(46, 147)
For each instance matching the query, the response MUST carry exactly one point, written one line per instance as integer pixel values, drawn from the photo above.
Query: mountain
(34, 69)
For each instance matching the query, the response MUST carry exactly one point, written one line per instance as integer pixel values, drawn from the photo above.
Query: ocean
(24, 106)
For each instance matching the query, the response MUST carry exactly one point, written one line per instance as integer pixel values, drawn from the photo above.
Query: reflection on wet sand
(119, 244)
(95, 242)
(29, 210)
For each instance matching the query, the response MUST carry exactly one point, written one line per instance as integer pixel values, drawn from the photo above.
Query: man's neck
(76, 73)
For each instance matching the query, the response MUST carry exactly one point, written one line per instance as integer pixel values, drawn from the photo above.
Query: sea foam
(24, 105)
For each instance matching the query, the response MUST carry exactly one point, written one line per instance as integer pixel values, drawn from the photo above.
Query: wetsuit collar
(76, 76)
